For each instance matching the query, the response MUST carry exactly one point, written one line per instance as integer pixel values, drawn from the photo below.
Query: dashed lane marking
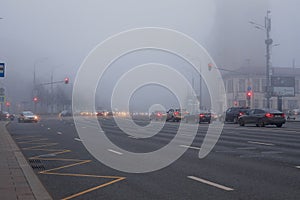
(211, 183)
(190, 147)
(59, 133)
(77, 139)
(116, 152)
(261, 143)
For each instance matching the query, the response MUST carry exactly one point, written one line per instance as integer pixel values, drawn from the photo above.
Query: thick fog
(54, 38)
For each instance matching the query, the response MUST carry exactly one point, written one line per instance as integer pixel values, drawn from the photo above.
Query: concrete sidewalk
(17, 179)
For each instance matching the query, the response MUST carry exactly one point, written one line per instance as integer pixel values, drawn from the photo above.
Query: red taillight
(158, 114)
(241, 113)
(283, 115)
(269, 115)
(176, 113)
(201, 115)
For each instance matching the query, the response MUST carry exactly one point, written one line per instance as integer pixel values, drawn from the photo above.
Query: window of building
(230, 85)
(264, 85)
(256, 103)
(256, 85)
(297, 87)
(242, 85)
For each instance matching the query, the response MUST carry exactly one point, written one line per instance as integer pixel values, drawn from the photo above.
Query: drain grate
(36, 164)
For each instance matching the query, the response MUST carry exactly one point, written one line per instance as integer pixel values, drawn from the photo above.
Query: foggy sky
(57, 35)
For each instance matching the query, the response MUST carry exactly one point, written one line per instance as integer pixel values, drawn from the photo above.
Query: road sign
(2, 69)
(283, 86)
(2, 99)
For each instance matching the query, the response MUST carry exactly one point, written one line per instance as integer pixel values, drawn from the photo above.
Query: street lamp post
(268, 42)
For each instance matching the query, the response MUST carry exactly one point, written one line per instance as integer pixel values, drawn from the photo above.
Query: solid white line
(261, 143)
(211, 183)
(116, 152)
(131, 136)
(190, 147)
(83, 127)
(59, 133)
(77, 139)
(298, 167)
(48, 128)
(271, 152)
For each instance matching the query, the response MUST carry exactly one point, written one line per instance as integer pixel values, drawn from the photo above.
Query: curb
(37, 188)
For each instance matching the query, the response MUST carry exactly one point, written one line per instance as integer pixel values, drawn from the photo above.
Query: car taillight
(201, 115)
(283, 115)
(176, 113)
(241, 113)
(158, 114)
(269, 115)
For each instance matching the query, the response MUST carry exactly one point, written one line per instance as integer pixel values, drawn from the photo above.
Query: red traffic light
(210, 65)
(35, 99)
(66, 80)
(249, 94)
(7, 104)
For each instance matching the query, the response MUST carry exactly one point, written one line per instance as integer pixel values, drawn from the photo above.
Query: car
(294, 114)
(4, 115)
(232, 114)
(262, 117)
(27, 116)
(176, 114)
(65, 113)
(198, 117)
(158, 116)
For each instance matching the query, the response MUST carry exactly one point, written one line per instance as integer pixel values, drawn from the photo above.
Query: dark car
(65, 113)
(262, 117)
(27, 116)
(175, 114)
(158, 116)
(198, 117)
(4, 115)
(232, 114)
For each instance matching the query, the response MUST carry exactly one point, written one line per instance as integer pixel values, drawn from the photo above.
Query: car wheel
(235, 120)
(261, 123)
(279, 125)
(208, 122)
(241, 122)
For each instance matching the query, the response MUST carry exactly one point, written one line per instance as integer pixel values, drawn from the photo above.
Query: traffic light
(7, 104)
(249, 95)
(66, 80)
(210, 65)
(35, 99)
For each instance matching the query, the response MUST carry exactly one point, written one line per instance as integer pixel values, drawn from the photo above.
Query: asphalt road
(246, 163)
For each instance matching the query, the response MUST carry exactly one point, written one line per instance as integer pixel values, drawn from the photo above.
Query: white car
(27, 116)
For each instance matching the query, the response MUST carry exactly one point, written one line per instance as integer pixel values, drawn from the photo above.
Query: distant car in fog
(262, 117)
(4, 115)
(198, 117)
(27, 116)
(294, 114)
(158, 116)
(175, 114)
(65, 113)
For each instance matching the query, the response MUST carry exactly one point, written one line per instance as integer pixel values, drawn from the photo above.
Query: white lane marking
(131, 136)
(246, 148)
(298, 167)
(59, 133)
(77, 139)
(83, 127)
(184, 134)
(190, 147)
(42, 125)
(116, 152)
(211, 183)
(261, 143)
(48, 128)
(225, 151)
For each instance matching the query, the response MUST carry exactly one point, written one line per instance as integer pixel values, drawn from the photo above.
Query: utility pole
(268, 43)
